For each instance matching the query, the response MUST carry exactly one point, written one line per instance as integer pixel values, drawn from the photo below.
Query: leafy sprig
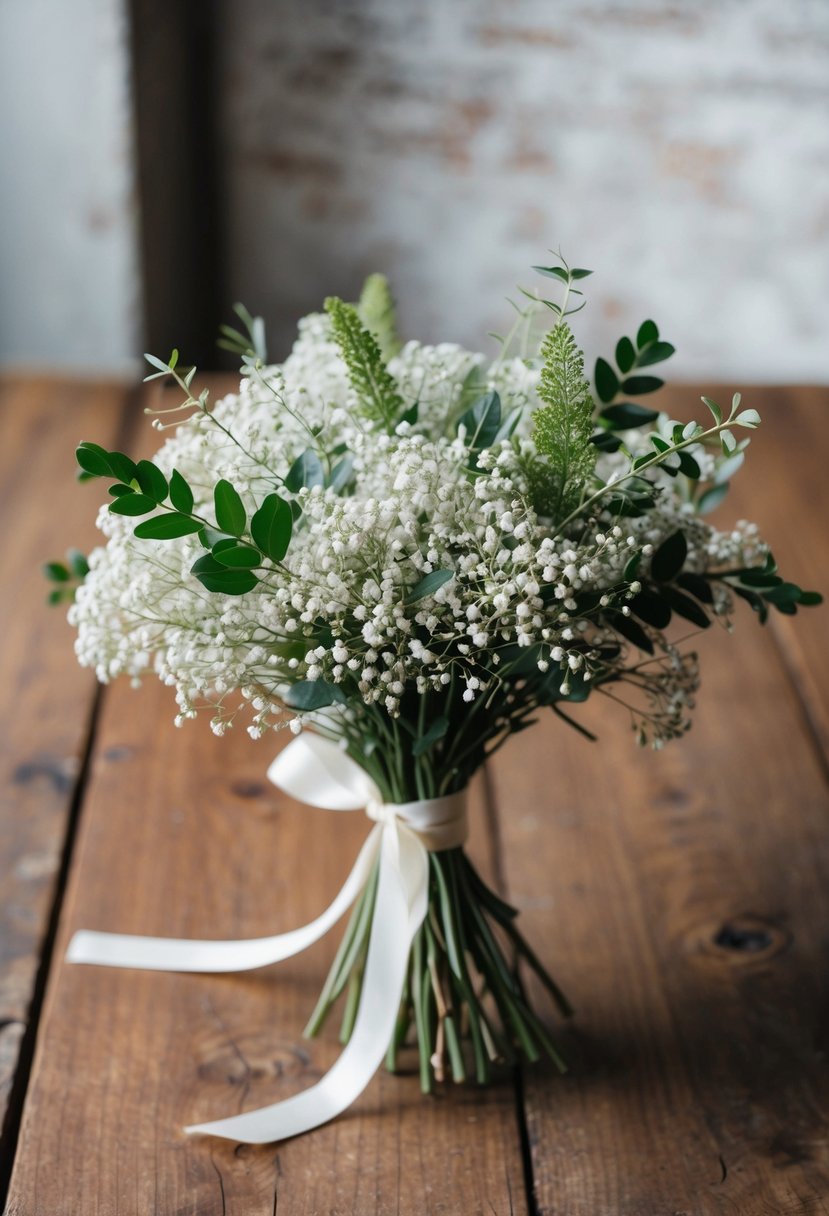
(563, 426)
(378, 398)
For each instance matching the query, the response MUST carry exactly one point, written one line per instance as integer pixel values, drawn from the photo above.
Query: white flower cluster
(512, 609)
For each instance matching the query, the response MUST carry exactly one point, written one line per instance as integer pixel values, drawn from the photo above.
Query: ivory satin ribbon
(314, 770)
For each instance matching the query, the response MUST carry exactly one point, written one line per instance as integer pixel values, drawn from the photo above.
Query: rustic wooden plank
(785, 488)
(45, 700)
(181, 835)
(699, 1074)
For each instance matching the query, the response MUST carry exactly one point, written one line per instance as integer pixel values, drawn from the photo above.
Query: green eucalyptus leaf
(306, 470)
(237, 555)
(181, 496)
(655, 352)
(652, 609)
(230, 510)
(314, 694)
(428, 585)
(627, 415)
(629, 629)
(56, 572)
(637, 386)
(168, 526)
(607, 382)
(226, 582)
(689, 466)
(482, 422)
(152, 481)
(647, 333)
(78, 563)
(271, 527)
(606, 441)
(669, 558)
(711, 499)
(342, 473)
(625, 355)
(696, 585)
(133, 504)
(684, 606)
(716, 412)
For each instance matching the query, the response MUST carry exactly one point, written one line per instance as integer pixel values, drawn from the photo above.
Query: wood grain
(182, 836)
(700, 1081)
(45, 699)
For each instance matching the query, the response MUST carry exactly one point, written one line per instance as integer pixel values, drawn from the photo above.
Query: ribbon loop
(317, 772)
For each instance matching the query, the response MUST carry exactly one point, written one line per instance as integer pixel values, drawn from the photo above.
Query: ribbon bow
(314, 770)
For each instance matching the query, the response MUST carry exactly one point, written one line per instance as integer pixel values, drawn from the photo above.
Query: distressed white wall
(680, 150)
(68, 285)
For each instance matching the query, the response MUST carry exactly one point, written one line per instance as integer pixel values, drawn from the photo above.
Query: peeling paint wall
(681, 151)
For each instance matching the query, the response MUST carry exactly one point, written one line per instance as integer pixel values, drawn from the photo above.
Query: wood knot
(748, 938)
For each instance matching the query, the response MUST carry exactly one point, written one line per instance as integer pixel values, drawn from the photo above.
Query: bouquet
(403, 554)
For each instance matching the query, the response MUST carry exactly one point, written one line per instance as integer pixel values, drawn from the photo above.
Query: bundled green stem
(463, 993)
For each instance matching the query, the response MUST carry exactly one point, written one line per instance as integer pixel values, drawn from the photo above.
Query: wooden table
(682, 899)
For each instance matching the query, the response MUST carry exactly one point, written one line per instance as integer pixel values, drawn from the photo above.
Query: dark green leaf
(785, 593)
(756, 602)
(151, 480)
(509, 424)
(656, 352)
(689, 466)
(98, 462)
(605, 441)
(78, 563)
(685, 606)
(652, 609)
(435, 732)
(166, 527)
(607, 382)
(314, 694)
(236, 554)
(132, 504)
(659, 444)
(482, 421)
(629, 629)
(637, 386)
(625, 355)
(648, 333)
(306, 470)
(119, 490)
(810, 599)
(342, 473)
(210, 537)
(230, 511)
(228, 582)
(697, 585)
(629, 572)
(553, 272)
(428, 585)
(579, 273)
(626, 415)
(711, 499)
(271, 527)
(56, 572)
(181, 496)
(669, 558)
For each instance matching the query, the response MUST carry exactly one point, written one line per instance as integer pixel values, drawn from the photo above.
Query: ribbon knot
(317, 772)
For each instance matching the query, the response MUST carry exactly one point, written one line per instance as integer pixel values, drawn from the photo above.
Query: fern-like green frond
(376, 389)
(377, 312)
(563, 426)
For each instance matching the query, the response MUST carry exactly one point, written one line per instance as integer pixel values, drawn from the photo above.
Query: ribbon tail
(401, 903)
(180, 954)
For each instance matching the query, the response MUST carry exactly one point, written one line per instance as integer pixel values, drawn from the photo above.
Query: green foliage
(379, 400)
(377, 312)
(563, 426)
(428, 585)
(65, 577)
(482, 424)
(271, 527)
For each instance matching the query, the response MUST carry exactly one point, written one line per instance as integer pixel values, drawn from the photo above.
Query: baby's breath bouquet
(414, 551)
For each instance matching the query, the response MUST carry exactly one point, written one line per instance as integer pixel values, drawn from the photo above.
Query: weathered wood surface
(699, 1080)
(45, 699)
